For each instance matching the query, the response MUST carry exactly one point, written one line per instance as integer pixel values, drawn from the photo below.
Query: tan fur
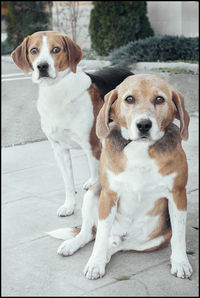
(108, 197)
(97, 104)
(70, 53)
(107, 200)
(96, 188)
(169, 163)
(160, 209)
(181, 114)
(19, 56)
(145, 88)
(102, 127)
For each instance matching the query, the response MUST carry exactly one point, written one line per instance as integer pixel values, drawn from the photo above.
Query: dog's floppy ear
(102, 128)
(74, 52)
(19, 56)
(181, 114)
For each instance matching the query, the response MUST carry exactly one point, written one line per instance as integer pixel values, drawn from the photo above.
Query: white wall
(61, 22)
(174, 17)
(171, 18)
(190, 18)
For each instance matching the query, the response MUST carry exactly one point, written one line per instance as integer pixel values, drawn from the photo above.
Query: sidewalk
(32, 191)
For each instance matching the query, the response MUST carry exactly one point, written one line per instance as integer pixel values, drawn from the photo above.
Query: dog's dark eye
(130, 99)
(56, 50)
(159, 100)
(34, 51)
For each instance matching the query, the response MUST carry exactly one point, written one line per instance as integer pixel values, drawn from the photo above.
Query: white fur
(138, 188)
(90, 218)
(180, 265)
(66, 112)
(64, 233)
(43, 57)
(155, 132)
(129, 227)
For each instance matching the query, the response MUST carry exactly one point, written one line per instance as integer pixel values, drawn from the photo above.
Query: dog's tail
(64, 233)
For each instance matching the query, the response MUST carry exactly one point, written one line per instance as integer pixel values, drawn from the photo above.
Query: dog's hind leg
(90, 219)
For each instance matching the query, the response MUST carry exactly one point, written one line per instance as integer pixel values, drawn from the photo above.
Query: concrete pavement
(32, 190)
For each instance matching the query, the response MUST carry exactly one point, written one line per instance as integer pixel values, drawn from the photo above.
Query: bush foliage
(157, 48)
(115, 23)
(24, 18)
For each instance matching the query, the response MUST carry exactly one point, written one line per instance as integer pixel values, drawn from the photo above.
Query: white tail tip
(64, 233)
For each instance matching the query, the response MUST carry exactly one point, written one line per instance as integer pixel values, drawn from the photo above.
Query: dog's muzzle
(43, 70)
(144, 127)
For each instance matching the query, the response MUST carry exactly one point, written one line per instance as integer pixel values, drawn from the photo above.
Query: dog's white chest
(66, 110)
(141, 184)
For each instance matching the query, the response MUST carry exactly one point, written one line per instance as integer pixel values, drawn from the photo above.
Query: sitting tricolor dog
(69, 101)
(140, 202)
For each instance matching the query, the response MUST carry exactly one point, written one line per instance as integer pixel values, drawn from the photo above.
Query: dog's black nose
(43, 67)
(144, 125)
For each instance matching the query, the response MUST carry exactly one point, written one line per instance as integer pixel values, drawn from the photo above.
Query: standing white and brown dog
(140, 203)
(69, 101)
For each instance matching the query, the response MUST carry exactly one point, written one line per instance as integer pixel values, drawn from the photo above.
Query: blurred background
(144, 36)
(100, 27)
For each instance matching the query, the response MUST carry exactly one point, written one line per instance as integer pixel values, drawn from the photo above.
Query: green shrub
(115, 23)
(6, 48)
(157, 48)
(24, 18)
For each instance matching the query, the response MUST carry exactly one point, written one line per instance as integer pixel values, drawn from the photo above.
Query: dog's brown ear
(102, 128)
(19, 56)
(74, 53)
(181, 114)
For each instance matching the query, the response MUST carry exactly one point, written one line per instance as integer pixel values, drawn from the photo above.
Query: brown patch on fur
(97, 104)
(160, 209)
(102, 126)
(19, 56)
(169, 141)
(77, 230)
(167, 237)
(113, 157)
(117, 142)
(96, 188)
(107, 200)
(181, 113)
(115, 114)
(74, 52)
(94, 230)
(172, 160)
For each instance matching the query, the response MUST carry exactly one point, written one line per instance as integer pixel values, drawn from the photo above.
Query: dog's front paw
(67, 248)
(89, 183)
(181, 269)
(65, 210)
(94, 269)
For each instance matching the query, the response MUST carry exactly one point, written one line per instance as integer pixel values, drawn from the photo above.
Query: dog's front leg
(63, 158)
(94, 170)
(95, 267)
(180, 265)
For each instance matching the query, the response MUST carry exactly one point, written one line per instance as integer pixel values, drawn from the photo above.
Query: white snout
(146, 126)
